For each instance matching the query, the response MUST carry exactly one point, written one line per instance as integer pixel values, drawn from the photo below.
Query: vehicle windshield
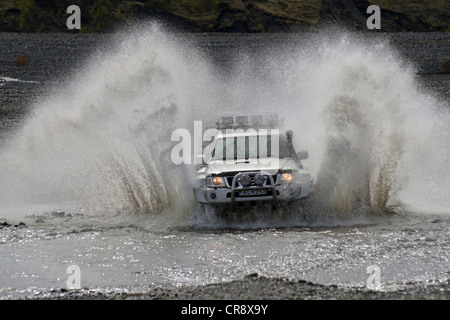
(253, 146)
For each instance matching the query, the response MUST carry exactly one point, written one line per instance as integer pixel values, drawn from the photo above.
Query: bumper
(237, 196)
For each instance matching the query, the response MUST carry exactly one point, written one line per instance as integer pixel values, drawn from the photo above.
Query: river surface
(78, 189)
(128, 255)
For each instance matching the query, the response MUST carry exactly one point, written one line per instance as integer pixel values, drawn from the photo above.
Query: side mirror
(302, 155)
(289, 135)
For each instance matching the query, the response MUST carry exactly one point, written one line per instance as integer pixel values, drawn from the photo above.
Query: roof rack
(256, 121)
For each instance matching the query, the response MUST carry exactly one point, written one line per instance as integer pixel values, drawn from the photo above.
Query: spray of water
(375, 140)
(374, 131)
(101, 141)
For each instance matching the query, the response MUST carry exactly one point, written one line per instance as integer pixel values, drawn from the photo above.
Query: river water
(87, 168)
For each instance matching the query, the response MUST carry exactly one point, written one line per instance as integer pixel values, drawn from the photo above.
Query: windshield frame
(270, 149)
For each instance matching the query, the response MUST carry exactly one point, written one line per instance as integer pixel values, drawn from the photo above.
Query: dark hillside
(225, 15)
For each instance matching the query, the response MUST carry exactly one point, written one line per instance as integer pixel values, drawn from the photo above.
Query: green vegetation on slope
(225, 15)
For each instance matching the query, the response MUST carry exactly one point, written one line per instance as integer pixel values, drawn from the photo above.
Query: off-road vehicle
(252, 163)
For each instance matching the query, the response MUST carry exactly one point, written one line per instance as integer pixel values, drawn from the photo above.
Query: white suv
(249, 167)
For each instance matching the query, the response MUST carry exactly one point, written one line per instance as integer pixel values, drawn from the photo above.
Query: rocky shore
(254, 287)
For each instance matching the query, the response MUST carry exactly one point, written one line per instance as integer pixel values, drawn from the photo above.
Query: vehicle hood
(270, 165)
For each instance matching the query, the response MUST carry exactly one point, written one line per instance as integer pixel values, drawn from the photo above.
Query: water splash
(374, 138)
(361, 111)
(100, 141)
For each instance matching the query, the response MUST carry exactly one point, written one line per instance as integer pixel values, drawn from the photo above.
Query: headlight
(287, 177)
(215, 182)
(259, 179)
(245, 180)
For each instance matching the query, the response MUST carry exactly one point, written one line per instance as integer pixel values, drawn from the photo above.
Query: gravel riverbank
(254, 287)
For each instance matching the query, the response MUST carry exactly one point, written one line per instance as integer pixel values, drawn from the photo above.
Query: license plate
(252, 192)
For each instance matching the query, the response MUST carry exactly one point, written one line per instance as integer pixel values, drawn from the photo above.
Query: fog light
(245, 180)
(259, 179)
(213, 195)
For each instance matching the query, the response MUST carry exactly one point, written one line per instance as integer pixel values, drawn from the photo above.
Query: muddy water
(128, 255)
(83, 169)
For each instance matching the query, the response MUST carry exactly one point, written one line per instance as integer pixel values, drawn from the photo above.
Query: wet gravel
(254, 287)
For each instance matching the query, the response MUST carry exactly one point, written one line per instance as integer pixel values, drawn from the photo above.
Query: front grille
(229, 180)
